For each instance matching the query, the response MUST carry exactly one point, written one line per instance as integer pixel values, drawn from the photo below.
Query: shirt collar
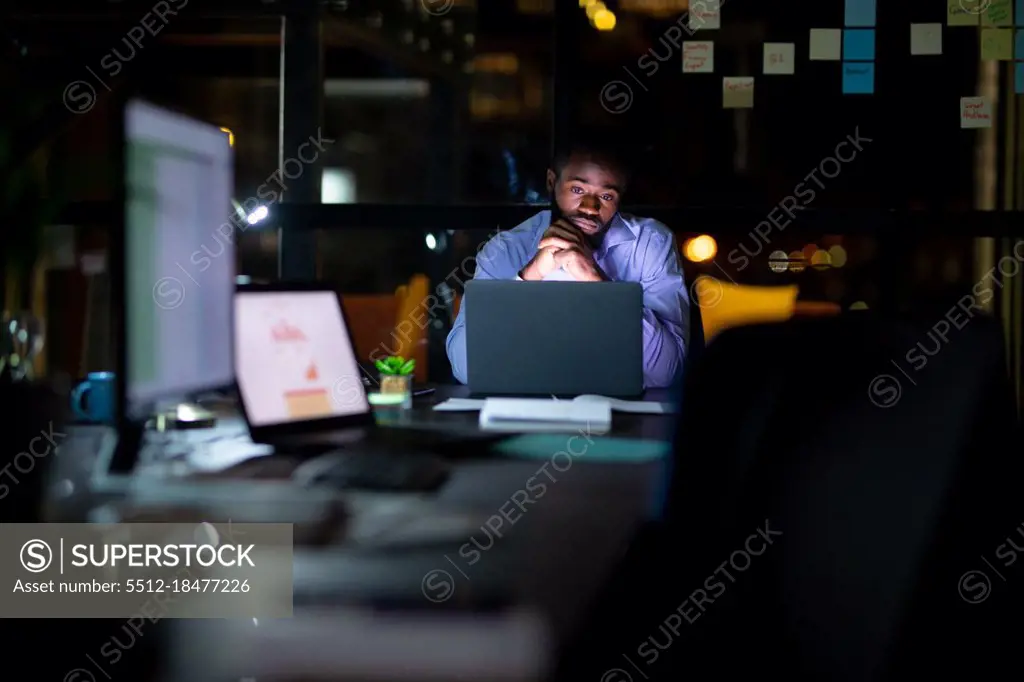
(619, 232)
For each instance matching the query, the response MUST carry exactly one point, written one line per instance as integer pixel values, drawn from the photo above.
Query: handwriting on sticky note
(975, 112)
(698, 56)
(925, 39)
(737, 92)
(996, 12)
(858, 78)
(963, 12)
(997, 44)
(705, 14)
(826, 44)
(779, 58)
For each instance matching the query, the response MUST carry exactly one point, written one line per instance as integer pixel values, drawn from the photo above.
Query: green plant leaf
(408, 367)
(382, 367)
(395, 362)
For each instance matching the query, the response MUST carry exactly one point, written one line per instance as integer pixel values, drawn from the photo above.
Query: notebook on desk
(526, 414)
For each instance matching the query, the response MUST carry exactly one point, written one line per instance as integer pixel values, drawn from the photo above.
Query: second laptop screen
(294, 359)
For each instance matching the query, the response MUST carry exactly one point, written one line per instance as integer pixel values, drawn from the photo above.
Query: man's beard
(595, 239)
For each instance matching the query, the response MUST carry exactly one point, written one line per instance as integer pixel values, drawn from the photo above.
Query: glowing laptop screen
(294, 359)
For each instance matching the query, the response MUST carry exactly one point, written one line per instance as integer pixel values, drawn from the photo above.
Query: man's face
(587, 192)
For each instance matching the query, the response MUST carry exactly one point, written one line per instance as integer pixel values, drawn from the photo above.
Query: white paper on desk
(459, 405)
(542, 414)
(630, 406)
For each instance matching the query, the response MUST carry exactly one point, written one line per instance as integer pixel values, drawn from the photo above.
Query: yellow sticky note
(925, 39)
(738, 93)
(826, 44)
(997, 13)
(964, 12)
(997, 44)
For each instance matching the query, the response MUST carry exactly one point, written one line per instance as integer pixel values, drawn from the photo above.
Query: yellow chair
(412, 323)
(724, 305)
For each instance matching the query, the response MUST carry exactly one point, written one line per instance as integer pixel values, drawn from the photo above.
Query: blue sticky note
(593, 449)
(1018, 45)
(861, 12)
(1018, 81)
(1019, 13)
(859, 44)
(858, 78)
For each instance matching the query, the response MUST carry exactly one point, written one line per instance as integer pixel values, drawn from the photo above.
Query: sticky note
(705, 14)
(1018, 79)
(925, 39)
(738, 93)
(698, 56)
(859, 44)
(827, 43)
(1018, 49)
(860, 12)
(996, 12)
(1018, 13)
(963, 12)
(779, 58)
(997, 44)
(975, 112)
(858, 78)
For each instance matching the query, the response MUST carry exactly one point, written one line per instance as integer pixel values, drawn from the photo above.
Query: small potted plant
(396, 379)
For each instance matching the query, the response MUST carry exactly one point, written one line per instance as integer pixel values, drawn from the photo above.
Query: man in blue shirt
(586, 239)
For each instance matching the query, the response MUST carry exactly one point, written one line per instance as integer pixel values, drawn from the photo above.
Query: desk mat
(601, 449)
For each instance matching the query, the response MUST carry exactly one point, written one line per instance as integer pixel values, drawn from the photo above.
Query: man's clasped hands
(564, 246)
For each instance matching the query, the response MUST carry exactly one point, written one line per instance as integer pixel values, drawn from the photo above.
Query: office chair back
(412, 321)
(728, 305)
(884, 469)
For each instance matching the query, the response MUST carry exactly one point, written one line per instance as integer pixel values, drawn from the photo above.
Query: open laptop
(299, 382)
(559, 339)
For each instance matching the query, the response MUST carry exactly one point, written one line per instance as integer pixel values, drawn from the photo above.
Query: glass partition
(438, 102)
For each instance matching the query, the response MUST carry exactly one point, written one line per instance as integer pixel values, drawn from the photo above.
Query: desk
(422, 416)
(554, 559)
(553, 556)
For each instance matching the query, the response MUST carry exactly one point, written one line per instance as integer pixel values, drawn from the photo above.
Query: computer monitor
(178, 259)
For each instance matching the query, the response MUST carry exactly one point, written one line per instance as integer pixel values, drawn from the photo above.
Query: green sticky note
(962, 13)
(548, 446)
(998, 13)
(997, 44)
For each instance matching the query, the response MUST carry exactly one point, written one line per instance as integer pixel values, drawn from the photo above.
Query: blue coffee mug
(93, 399)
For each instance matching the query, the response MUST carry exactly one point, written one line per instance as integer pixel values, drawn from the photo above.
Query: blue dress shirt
(633, 250)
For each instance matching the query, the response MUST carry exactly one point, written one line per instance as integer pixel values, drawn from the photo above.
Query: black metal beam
(302, 85)
(711, 220)
(297, 218)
